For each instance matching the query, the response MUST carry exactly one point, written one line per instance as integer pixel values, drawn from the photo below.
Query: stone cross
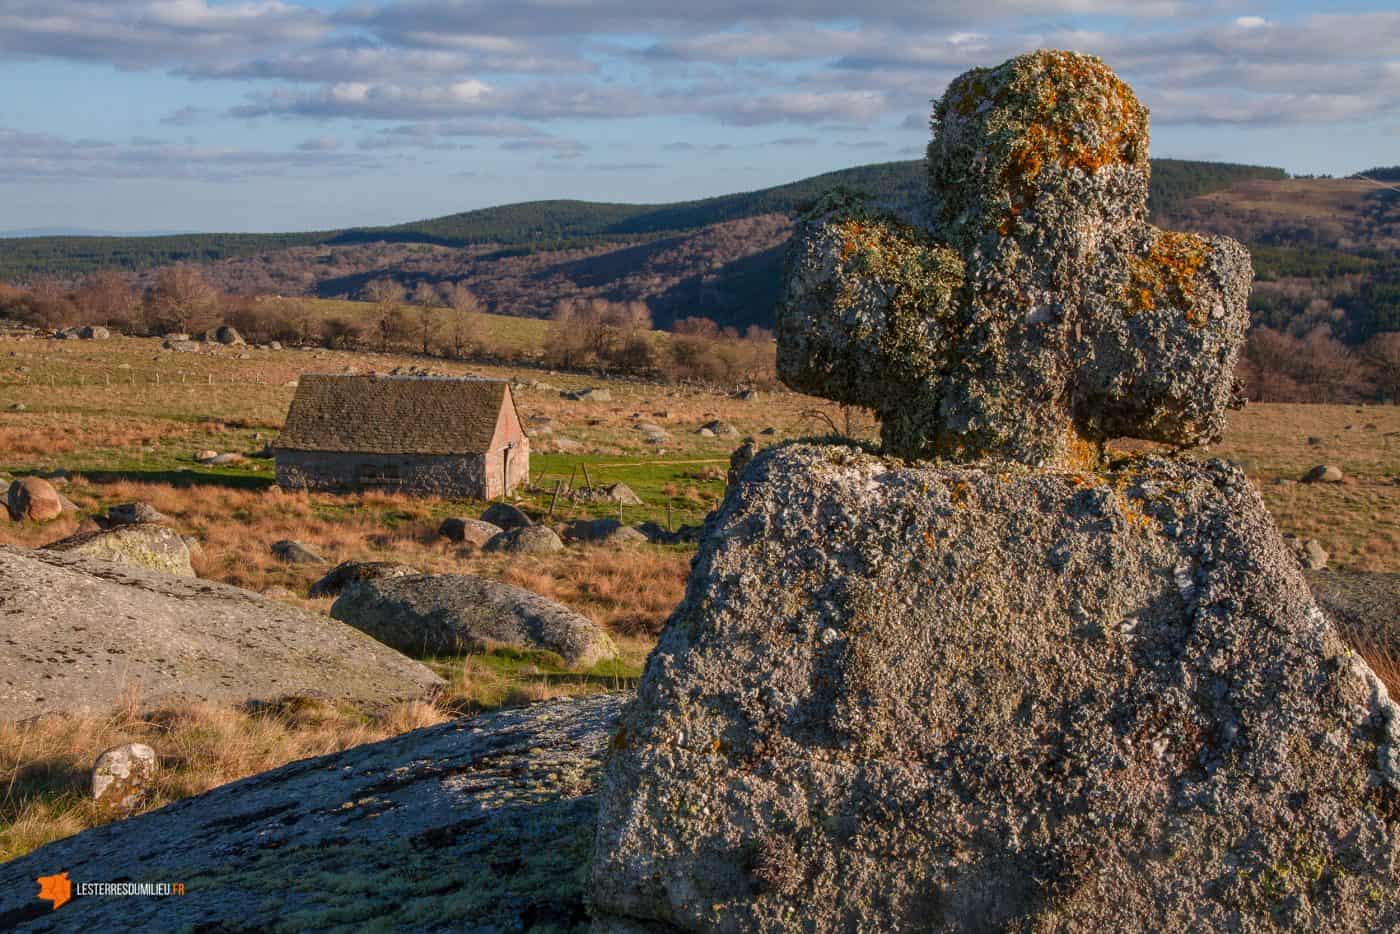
(1038, 315)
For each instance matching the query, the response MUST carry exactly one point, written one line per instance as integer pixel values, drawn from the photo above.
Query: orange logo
(56, 889)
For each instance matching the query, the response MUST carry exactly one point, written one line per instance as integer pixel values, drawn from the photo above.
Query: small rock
(588, 395)
(471, 531)
(132, 513)
(205, 457)
(769, 432)
(294, 552)
(619, 493)
(527, 540)
(1323, 473)
(505, 516)
(17, 407)
(1313, 556)
(123, 778)
(604, 531)
(720, 428)
(705, 433)
(92, 333)
(1314, 440)
(225, 459)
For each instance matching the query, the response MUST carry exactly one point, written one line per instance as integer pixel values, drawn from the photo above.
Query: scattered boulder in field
(33, 499)
(1324, 473)
(505, 516)
(564, 445)
(79, 633)
(274, 345)
(294, 552)
(527, 540)
(471, 531)
(205, 456)
(720, 429)
(180, 346)
(94, 333)
(348, 573)
(133, 513)
(505, 799)
(600, 531)
(223, 334)
(18, 407)
(223, 460)
(705, 433)
(588, 395)
(1309, 552)
(768, 432)
(619, 493)
(123, 778)
(143, 545)
(454, 614)
(654, 433)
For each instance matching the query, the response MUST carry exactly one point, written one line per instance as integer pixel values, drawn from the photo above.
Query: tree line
(445, 320)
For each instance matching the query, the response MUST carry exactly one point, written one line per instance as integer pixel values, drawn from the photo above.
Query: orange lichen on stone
(1166, 272)
(1082, 454)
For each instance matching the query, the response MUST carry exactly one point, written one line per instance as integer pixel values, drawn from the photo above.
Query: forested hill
(550, 225)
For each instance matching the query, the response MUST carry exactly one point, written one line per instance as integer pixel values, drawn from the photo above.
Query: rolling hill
(1330, 239)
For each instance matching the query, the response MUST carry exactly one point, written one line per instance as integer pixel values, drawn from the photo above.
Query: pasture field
(122, 420)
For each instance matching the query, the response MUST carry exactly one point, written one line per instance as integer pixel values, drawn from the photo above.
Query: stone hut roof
(394, 414)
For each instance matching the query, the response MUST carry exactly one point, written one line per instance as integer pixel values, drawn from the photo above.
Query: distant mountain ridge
(544, 224)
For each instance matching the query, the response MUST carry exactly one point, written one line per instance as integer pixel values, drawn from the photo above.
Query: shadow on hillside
(178, 478)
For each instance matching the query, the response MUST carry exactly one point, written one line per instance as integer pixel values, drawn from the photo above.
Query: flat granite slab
(481, 824)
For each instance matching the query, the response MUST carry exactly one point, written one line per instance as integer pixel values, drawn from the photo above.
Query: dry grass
(95, 408)
(45, 763)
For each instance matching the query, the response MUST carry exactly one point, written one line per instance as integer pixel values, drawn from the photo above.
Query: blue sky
(303, 114)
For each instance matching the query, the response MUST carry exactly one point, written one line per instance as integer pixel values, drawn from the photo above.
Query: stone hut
(433, 436)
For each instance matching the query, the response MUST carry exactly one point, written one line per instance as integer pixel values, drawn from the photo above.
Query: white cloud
(43, 157)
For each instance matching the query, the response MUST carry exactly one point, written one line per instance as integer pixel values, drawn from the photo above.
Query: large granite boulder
(971, 697)
(352, 573)
(475, 825)
(142, 545)
(1018, 688)
(453, 614)
(77, 633)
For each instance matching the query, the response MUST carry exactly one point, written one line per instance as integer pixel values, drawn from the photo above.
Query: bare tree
(108, 298)
(387, 296)
(425, 306)
(181, 299)
(466, 316)
(1382, 354)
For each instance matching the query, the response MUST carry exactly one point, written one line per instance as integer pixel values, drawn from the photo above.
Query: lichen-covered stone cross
(1040, 315)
